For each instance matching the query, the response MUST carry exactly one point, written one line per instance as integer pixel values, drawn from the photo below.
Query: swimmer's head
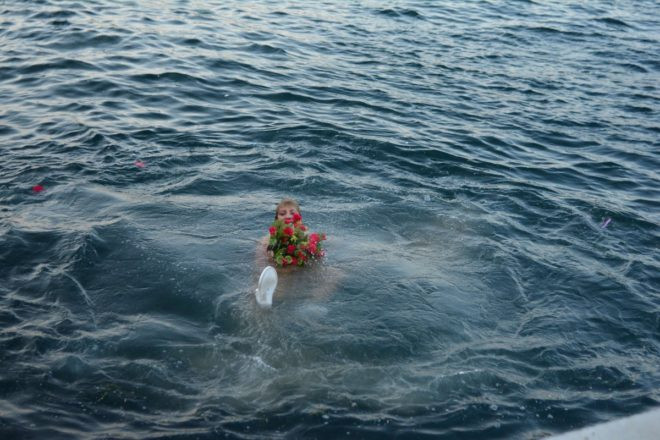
(286, 208)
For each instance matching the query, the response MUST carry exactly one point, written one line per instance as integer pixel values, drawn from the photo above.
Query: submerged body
(311, 279)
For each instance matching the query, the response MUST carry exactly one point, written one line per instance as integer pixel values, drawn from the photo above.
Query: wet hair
(286, 202)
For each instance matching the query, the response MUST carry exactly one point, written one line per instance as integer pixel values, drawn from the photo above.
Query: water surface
(463, 158)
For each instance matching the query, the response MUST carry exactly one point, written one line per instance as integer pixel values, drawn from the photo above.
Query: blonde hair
(286, 202)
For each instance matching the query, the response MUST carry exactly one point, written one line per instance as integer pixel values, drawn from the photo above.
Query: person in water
(293, 278)
(285, 211)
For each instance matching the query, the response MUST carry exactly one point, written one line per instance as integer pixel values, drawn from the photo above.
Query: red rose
(297, 217)
(272, 230)
(290, 249)
(312, 248)
(303, 227)
(313, 238)
(287, 231)
(294, 261)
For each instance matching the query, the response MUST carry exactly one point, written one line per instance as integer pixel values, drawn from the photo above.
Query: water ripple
(486, 174)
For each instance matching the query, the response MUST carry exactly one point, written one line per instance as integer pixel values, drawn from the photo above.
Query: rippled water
(463, 157)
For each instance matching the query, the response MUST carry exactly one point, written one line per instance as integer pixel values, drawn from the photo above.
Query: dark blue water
(463, 157)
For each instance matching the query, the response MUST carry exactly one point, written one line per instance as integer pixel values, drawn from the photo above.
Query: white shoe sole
(266, 287)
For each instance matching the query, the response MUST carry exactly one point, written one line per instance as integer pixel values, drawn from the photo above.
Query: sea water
(486, 173)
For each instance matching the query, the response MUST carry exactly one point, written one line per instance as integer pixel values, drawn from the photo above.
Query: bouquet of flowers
(291, 245)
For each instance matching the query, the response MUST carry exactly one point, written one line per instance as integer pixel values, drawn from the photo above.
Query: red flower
(291, 245)
(37, 188)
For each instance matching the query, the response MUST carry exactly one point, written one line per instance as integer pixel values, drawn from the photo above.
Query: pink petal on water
(139, 164)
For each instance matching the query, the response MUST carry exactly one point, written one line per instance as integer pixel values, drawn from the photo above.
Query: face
(286, 212)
